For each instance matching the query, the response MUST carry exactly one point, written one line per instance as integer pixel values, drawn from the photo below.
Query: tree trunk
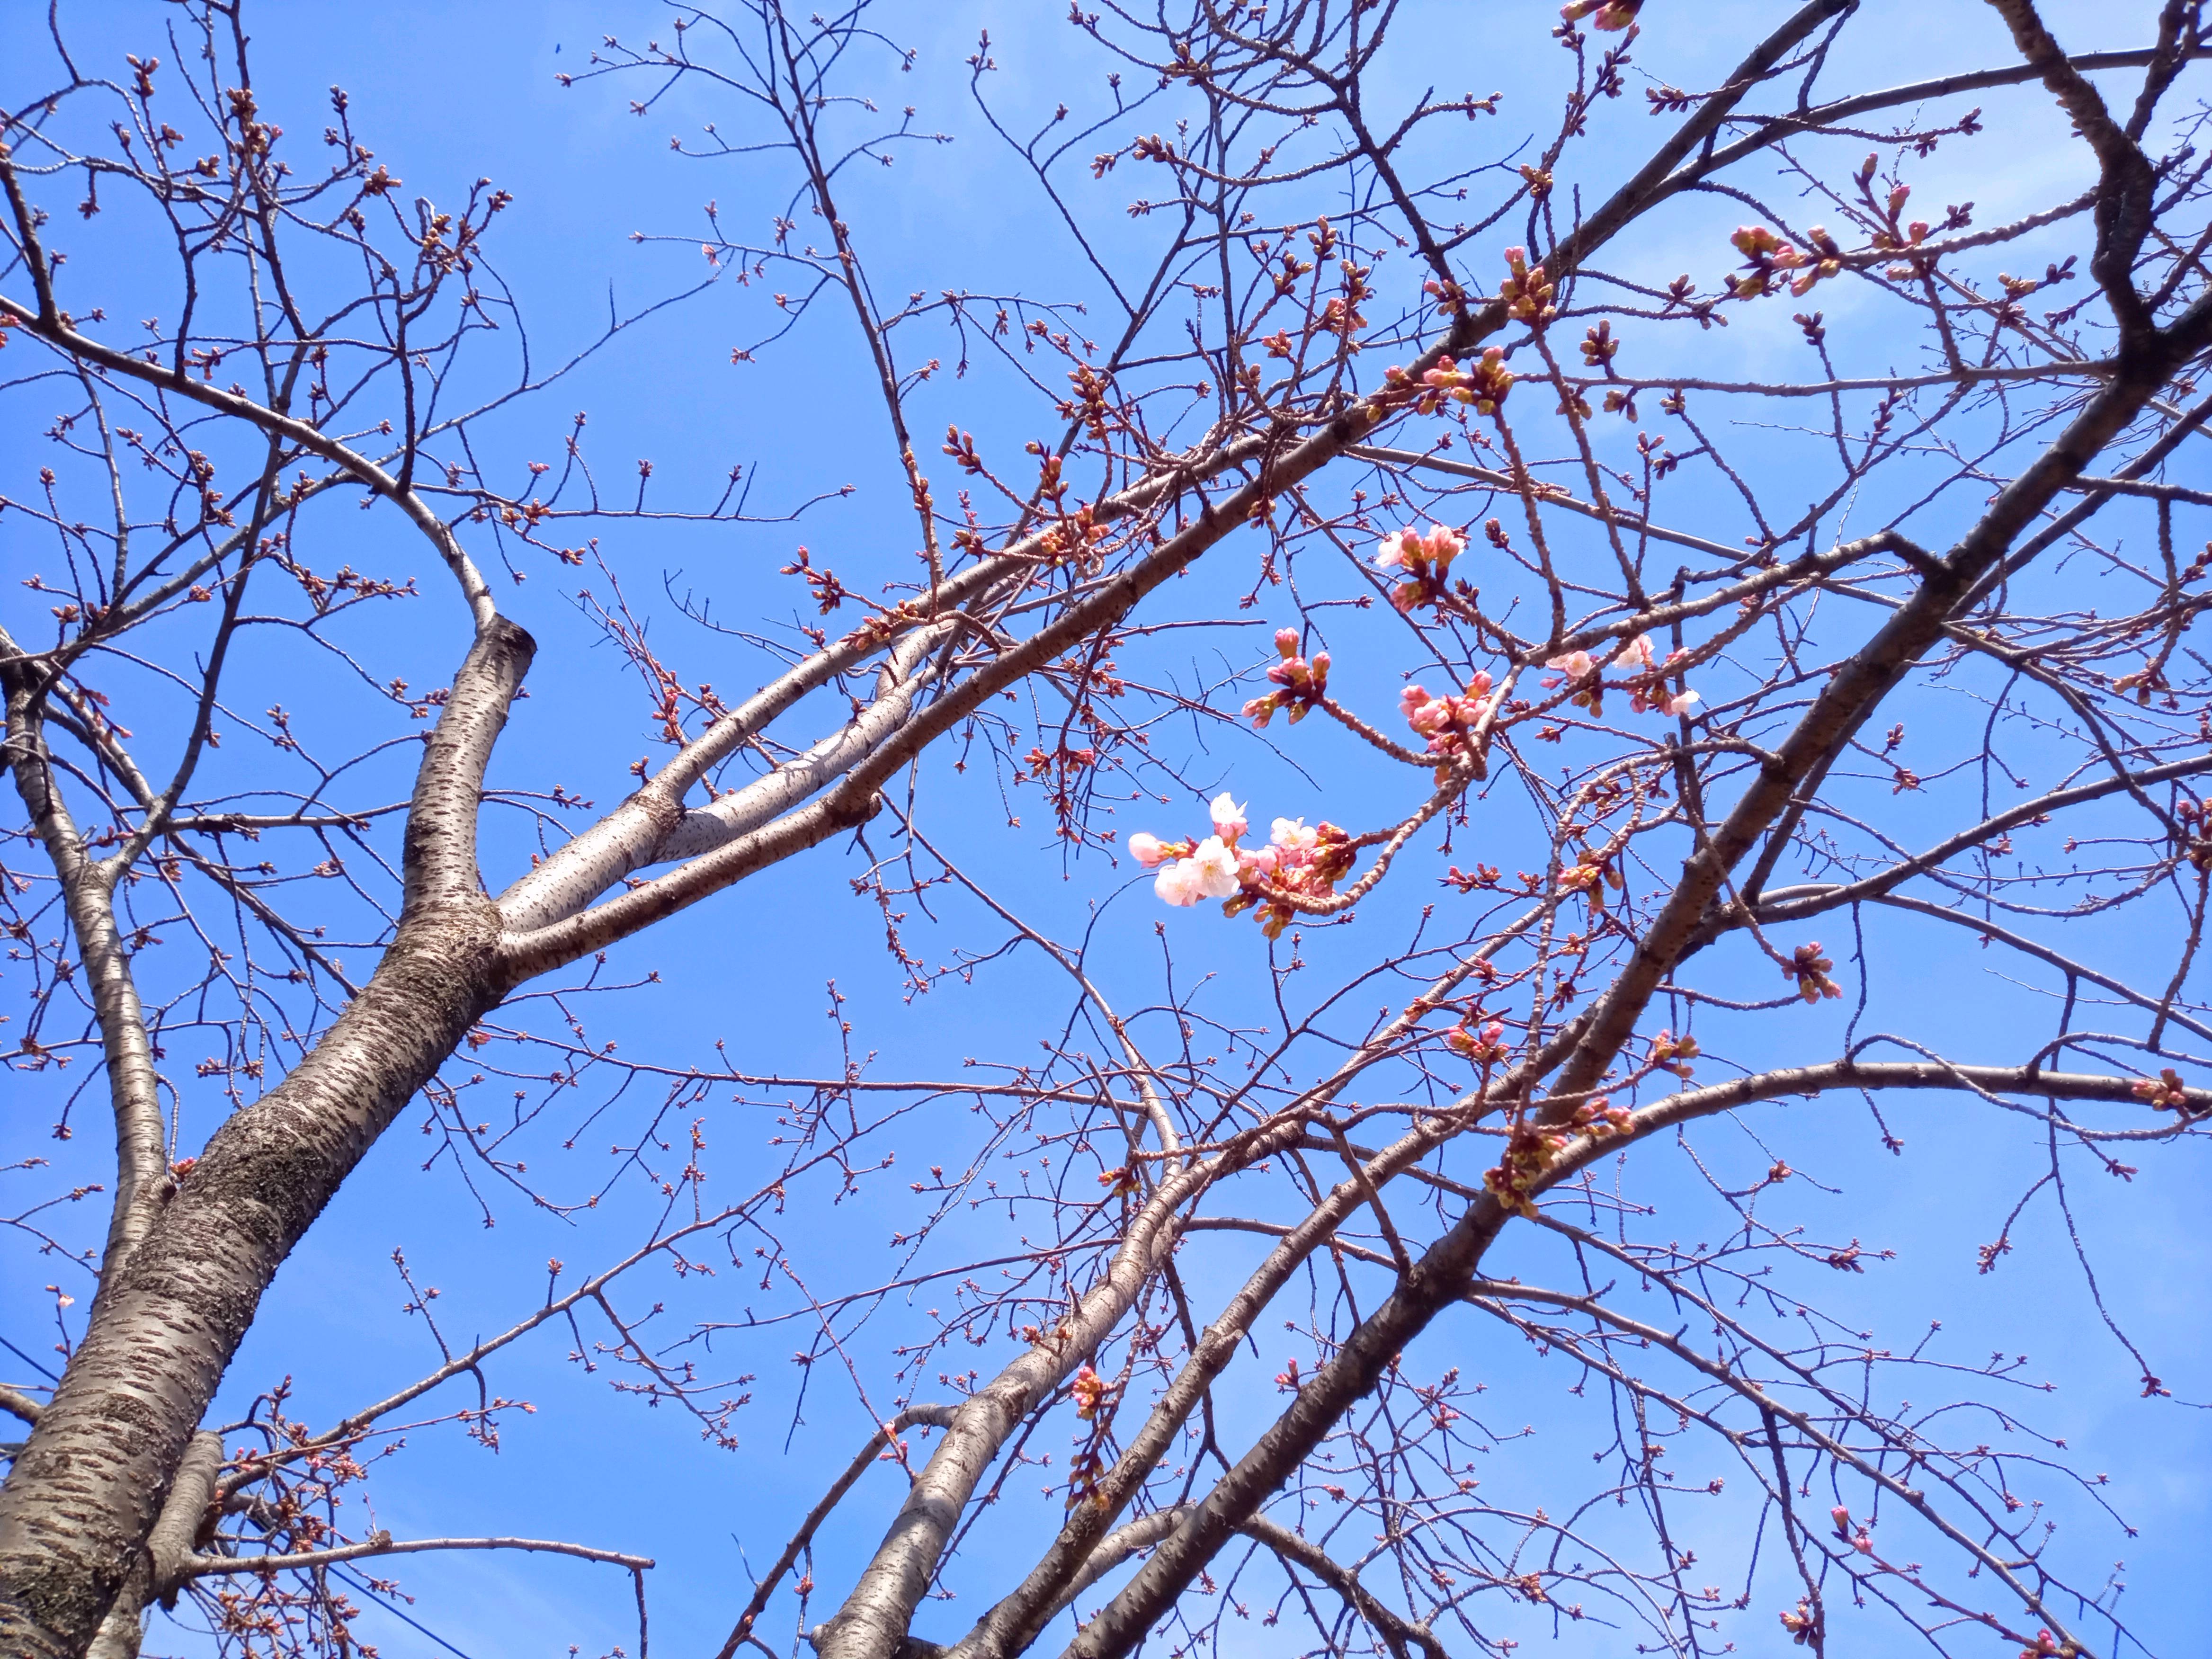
(85, 1492)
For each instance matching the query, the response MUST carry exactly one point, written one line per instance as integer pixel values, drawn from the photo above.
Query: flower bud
(1147, 849)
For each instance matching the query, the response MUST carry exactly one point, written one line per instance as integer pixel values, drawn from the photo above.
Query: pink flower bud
(1147, 849)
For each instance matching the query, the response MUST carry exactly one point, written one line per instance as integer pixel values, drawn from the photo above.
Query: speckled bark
(83, 1497)
(141, 1158)
(159, 1569)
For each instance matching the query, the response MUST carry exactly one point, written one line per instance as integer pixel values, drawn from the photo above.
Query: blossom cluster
(1119, 1181)
(1089, 1390)
(1600, 1119)
(1528, 1152)
(1526, 291)
(1593, 871)
(1298, 862)
(1531, 1148)
(1484, 1048)
(1801, 1623)
(1300, 685)
(1425, 560)
(1647, 689)
(1810, 969)
(1672, 1053)
(1863, 1543)
(2164, 1093)
(1768, 259)
(1483, 383)
(2195, 823)
(1612, 14)
(1447, 722)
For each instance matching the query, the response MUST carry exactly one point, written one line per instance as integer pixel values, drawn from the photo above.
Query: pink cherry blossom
(1611, 13)
(1215, 868)
(1293, 837)
(1410, 548)
(1229, 821)
(1258, 865)
(1390, 552)
(1148, 850)
(1180, 883)
(1425, 559)
(1680, 702)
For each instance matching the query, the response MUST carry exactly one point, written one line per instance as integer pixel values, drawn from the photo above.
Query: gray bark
(86, 1492)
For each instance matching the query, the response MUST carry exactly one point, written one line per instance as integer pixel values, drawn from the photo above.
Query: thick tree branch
(84, 1495)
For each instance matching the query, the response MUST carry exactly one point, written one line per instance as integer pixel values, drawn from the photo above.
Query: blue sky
(447, 93)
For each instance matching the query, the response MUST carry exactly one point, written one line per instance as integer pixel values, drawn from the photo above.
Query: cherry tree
(1885, 641)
